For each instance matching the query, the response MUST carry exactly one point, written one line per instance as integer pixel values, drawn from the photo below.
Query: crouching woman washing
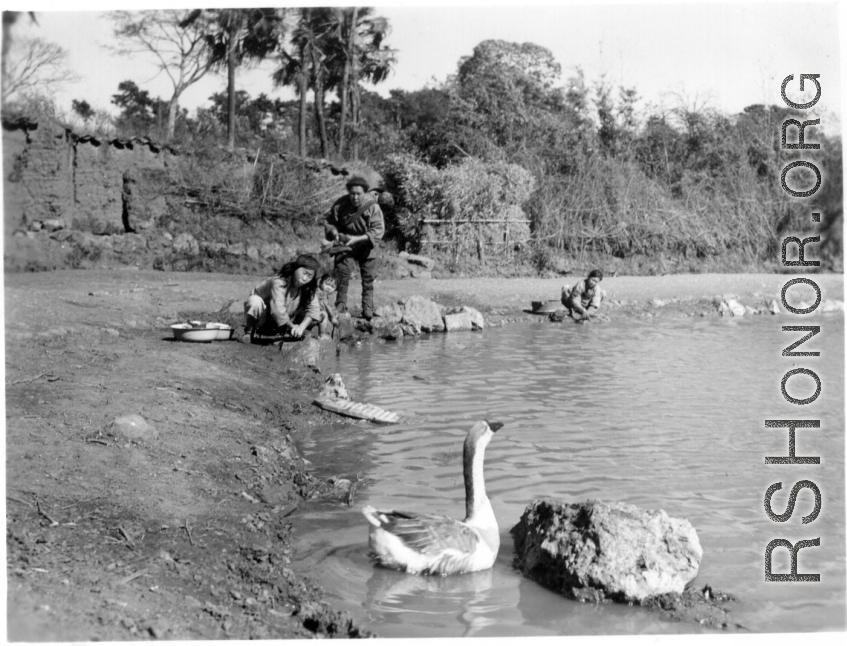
(286, 303)
(583, 299)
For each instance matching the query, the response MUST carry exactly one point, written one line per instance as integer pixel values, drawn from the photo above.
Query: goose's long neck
(475, 497)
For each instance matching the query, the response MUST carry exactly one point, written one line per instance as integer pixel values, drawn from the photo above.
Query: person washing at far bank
(584, 298)
(328, 317)
(355, 220)
(285, 303)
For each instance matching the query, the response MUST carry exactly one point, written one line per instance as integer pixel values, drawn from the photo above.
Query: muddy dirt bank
(183, 531)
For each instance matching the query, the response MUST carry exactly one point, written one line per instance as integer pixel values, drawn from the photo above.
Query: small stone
(477, 319)
(111, 332)
(736, 308)
(392, 313)
(186, 243)
(237, 249)
(392, 332)
(53, 224)
(271, 250)
(158, 631)
(191, 602)
(134, 427)
(457, 322)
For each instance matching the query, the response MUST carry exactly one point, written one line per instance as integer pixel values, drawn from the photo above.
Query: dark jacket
(367, 220)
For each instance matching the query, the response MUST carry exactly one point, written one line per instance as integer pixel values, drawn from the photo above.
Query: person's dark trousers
(344, 264)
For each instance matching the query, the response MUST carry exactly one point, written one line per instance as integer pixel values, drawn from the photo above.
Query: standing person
(355, 220)
(584, 298)
(287, 302)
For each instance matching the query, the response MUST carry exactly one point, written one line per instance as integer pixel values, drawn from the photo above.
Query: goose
(431, 544)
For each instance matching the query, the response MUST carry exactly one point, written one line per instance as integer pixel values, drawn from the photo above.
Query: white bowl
(184, 332)
(224, 330)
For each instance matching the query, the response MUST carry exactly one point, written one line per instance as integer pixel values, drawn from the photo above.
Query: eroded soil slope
(181, 534)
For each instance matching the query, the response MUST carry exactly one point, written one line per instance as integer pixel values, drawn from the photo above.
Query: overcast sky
(729, 55)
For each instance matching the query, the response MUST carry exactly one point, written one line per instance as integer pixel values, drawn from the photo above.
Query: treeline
(680, 188)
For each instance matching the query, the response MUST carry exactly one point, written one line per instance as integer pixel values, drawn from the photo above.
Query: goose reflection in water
(434, 601)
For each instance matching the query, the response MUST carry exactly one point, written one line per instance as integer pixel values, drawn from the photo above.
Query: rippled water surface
(664, 414)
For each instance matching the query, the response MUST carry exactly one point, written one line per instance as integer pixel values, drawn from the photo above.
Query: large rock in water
(595, 550)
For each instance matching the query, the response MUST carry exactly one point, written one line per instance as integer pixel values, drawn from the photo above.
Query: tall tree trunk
(303, 83)
(173, 106)
(230, 88)
(318, 79)
(355, 112)
(354, 85)
(342, 119)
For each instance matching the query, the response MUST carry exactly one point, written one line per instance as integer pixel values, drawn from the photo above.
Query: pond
(662, 414)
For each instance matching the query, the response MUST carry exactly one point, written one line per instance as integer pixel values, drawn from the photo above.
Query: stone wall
(38, 173)
(51, 174)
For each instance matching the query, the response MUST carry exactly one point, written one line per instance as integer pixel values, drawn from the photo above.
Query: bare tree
(9, 20)
(179, 47)
(34, 64)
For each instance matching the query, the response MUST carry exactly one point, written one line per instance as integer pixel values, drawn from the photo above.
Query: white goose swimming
(430, 544)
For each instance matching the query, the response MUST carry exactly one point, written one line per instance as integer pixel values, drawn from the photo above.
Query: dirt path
(183, 532)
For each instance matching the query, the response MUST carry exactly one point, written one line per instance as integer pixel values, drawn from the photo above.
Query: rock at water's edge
(595, 550)
(309, 351)
(425, 311)
(458, 321)
(477, 320)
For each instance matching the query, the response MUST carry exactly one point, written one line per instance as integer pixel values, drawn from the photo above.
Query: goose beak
(494, 426)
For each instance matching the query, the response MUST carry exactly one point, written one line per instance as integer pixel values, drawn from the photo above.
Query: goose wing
(428, 533)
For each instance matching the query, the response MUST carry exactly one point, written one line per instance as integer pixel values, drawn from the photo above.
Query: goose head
(479, 436)
(473, 455)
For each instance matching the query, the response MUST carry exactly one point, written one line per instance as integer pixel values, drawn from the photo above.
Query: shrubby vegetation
(602, 179)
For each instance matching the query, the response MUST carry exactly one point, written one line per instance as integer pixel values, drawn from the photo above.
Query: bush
(472, 191)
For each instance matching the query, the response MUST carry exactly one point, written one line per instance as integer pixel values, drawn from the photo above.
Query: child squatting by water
(328, 318)
(583, 299)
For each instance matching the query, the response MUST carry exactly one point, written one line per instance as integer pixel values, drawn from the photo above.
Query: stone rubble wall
(56, 177)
